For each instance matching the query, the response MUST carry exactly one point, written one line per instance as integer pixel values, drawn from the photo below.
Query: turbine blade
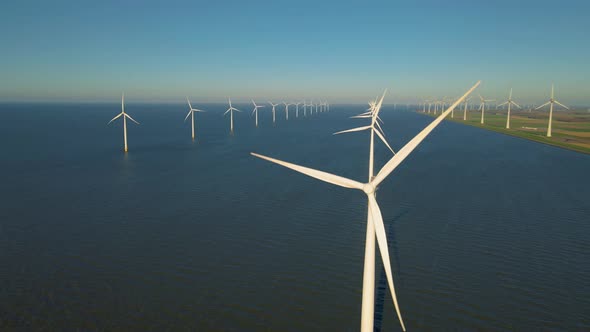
(515, 104)
(130, 118)
(547, 103)
(383, 140)
(562, 105)
(189, 113)
(189, 103)
(229, 109)
(384, 250)
(414, 142)
(352, 130)
(504, 103)
(361, 116)
(115, 118)
(326, 177)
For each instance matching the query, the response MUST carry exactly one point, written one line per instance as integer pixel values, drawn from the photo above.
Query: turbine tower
(125, 117)
(369, 189)
(231, 110)
(550, 103)
(509, 102)
(255, 111)
(191, 112)
(482, 106)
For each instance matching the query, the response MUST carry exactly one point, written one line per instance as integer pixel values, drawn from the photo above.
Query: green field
(571, 129)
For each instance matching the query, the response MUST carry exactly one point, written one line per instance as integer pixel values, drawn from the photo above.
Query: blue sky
(338, 50)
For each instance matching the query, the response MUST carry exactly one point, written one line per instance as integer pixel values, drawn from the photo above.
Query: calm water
(486, 232)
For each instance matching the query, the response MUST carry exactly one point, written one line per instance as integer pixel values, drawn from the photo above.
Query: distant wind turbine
(191, 112)
(274, 118)
(297, 109)
(125, 117)
(255, 111)
(509, 102)
(550, 103)
(231, 110)
(369, 189)
(465, 108)
(482, 106)
(286, 110)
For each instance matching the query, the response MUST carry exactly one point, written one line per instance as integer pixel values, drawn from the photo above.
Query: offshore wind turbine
(550, 103)
(125, 117)
(297, 109)
(509, 102)
(369, 189)
(274, 118)
(482, 106)
(286, 110)
(368, 302)
(465, 109)
(191, 112)
(255, 111)
(231, 110)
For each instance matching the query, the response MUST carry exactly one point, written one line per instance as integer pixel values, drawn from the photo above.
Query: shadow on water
(382, 282)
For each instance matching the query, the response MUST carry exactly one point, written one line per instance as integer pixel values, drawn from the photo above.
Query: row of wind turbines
(482, 107)
(314, 108)
(375, 226)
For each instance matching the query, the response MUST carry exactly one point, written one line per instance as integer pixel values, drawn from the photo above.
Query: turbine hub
(368, 188)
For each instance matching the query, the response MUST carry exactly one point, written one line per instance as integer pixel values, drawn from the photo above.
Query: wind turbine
(369, 189)
(368, 303)
(125, 116)
(273, 111)
(191, 112)
(482, 106)
(465, 109)
(231, 110)
(509, 102)
(550, 103)
(255, 111)
(286, 110)
(297, 109)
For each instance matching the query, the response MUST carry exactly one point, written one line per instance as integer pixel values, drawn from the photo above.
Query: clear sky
(343, 51)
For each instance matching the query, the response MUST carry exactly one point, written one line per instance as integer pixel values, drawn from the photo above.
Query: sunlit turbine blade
(326, 177)
(515, 104)
(383, 140)
(229, 109)
(504, 103)
(361, 116)
(352, 130)
(414, 142)
(189, 103)
(123, 102)
(198, 110)
(115, 118)
(130, 118)
(384, 250)
(189, 114)
(379, 126)
(560, 104)
(547, 103)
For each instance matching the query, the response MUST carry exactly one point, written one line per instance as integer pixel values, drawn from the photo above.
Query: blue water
(486, 231)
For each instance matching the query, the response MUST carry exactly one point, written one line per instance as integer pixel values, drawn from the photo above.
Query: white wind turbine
(255, 111)
(482, 106)
(286, 110)
(274, 117)
(369, 189)
(125, 117)
(550, 103)
(509, 102)
(297, 109)
(465, 109)
(191, 112)
(368, 303)
(231, 110)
